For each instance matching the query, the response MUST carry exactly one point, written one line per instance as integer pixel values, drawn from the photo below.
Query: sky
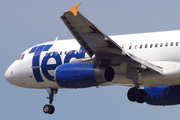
(24, 23)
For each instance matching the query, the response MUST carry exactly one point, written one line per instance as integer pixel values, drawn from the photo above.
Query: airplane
(148, 63)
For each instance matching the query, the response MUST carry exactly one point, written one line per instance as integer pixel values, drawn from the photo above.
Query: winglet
(74, 9)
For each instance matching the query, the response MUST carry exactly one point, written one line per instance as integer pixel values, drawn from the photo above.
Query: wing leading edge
(95, 42)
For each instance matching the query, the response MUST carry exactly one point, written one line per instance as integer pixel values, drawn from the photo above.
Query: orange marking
(74, 9)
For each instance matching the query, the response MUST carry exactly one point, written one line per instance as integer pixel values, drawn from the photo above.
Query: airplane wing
(95, 42)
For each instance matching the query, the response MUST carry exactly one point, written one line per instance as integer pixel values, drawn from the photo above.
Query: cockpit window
(22, 56)
(19, 57)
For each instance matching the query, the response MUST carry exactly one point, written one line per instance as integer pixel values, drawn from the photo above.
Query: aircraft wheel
(52, 109)
(48, 109)
(143, 96)
(133, 94)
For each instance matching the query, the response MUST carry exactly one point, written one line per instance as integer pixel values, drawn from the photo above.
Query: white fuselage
(159, 48)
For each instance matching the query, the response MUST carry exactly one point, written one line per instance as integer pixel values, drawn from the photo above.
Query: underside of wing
(96, 43)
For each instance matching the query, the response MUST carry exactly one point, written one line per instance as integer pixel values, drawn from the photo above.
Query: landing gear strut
(49, 108)
(135, 94)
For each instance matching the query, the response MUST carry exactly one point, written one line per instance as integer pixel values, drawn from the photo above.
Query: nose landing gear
(49, 108)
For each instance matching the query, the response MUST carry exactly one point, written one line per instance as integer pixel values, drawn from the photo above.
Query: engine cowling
(81, 75)
(163, 95)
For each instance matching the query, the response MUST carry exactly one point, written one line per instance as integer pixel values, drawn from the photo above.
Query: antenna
(56, 38)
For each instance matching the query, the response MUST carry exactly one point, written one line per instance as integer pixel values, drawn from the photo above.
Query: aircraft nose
(15, 74)
(8, 75)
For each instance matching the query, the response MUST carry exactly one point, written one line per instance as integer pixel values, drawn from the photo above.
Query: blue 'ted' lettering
(35, 62)
(46, 66)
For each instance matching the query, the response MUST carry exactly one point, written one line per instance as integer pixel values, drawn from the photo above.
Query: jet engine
(81, 75)
(163, 95)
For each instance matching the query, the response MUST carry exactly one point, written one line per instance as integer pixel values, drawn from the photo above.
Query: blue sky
(26, 23)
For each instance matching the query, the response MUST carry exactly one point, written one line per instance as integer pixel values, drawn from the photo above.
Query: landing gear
(49, 108)
(137, 95)
(143, 96)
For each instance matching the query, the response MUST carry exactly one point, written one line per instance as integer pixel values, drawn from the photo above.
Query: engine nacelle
(163, 95)
(81, 75)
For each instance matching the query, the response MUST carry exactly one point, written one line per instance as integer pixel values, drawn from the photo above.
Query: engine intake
(81, 75)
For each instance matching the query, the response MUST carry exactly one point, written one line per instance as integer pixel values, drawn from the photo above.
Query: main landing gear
(137, 95)
(49, 108)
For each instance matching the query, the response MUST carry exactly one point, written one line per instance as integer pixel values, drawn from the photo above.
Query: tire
(52, 109)
(46, 109)
(133, 94)
(143, 96)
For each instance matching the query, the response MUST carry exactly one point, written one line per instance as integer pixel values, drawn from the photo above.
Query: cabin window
(75, 52)
(156, 45)
(65, 52)
(51, 54)
(166, 44)
(172, 44)
(130, 47)
(146, 46)
(136, 47)
(61, 53)
(80, 51)
(46, 54)
(161, 44)
(141, 46)
(177, 43)
(151, 45)
(70, 52)
(56, 53)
